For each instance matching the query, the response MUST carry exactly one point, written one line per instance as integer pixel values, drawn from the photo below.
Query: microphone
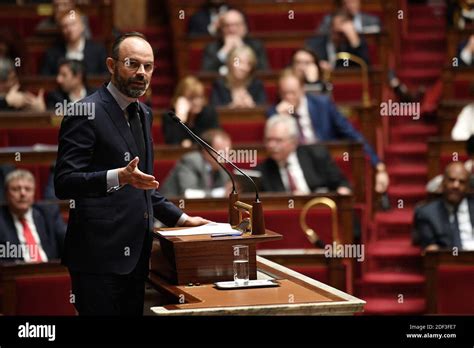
(258, 223)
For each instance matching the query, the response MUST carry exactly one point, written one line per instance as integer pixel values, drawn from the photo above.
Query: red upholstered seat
(248, 132)
(45, 295)
(162, 168)
(455, 289)
(31, 136)
(301, 21)
(157, 134)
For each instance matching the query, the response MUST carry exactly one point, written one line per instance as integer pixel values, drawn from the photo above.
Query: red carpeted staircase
(392, 280)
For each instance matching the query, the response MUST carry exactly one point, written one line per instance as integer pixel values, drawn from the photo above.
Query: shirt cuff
(182, 220)
(112, 180)
(222, 56)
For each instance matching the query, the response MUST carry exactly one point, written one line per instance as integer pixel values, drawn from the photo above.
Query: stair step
(391, 306)
(393, 248)
(394, 278)
(407, 170)
(407, 149)
(395, 217)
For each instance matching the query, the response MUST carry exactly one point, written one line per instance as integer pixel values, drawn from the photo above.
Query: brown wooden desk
(296, 295)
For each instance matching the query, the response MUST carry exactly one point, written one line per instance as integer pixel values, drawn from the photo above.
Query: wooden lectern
(202, 259)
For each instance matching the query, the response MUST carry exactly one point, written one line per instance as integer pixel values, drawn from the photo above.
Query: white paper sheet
(214, 228)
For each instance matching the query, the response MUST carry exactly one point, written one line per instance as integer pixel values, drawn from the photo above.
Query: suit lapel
(313, 114)
(305, 162)
(117, 116)
(275, 180)
(147, 133)
(41, 230)
(11, 233)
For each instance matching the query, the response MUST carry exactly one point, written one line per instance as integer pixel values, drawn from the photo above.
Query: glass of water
(241, 264)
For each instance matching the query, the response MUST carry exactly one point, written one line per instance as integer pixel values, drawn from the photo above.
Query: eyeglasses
(134, 65)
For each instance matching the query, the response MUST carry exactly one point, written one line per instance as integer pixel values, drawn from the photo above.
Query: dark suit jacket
(319, 170)
(319, 45)
(369, 22)
(175, 134)
(221, 95)
(95, 55)
(58, 96)
(431, 224)
(330, 124)
(49, 225)
(460, 48)
(210, 62)
(107, 232)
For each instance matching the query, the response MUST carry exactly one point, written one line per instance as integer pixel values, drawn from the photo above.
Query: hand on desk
(193, 221)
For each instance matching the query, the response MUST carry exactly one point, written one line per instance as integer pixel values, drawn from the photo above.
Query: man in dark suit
(104, 164)
(233, 31)
(297, 169)
(343, 37)
(319, 120)
(205, 20)
(75, 46)
(71, 80)
(197, 172)
(447, 222)
(35, 232)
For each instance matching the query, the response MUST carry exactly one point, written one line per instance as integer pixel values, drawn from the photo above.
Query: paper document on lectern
(210, 228)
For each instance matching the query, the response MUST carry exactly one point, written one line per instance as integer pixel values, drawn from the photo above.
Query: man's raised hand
(131, 175)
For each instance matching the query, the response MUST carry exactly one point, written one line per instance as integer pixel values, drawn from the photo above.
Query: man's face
(291, 90)
(233, 24)
(278, 143)
(222, 145)
(72, 27)
(132, 72)
(66, 80)
(455, 183)
(20, 195)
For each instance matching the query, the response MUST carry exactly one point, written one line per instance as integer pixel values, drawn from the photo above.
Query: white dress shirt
(296, 172)
(28, 254)
(305, 121)
(465, 225)
(464, 126)
(78, 52)
(112, 175)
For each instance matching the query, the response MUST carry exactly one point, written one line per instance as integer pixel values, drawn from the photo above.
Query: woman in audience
(189, 103)
(305, 64)
(239, 88)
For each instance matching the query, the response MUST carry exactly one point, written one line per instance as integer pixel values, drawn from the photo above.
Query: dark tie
(456, 233)
(291, 179)
(301, 136)
(137, 132)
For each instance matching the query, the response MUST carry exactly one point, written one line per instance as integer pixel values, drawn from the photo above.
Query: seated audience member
(189, 104)
(447, 222)
(464, 127)
(197, 174)
(297, 169)
(364, 23)
(74, 45)
(39, 229)
(72, 83)
(4, 170)
(342, 37)
(232, 33)
(60, 8)
(318, 119)
(466, 52)
(11, 98)
(206, 19)
(239, 88)
(305, 64)
(435, 184)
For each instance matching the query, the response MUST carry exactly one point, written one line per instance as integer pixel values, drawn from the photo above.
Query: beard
(125, 85)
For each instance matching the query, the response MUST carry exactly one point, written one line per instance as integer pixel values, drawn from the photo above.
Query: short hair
(188, 84)
(288, 72)
(18, 174)
(244, 49)
(76, 66)
(209, 135)
(470, 146)
(6, 67)
(77, 12)
(287, 120)
(119, 39)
